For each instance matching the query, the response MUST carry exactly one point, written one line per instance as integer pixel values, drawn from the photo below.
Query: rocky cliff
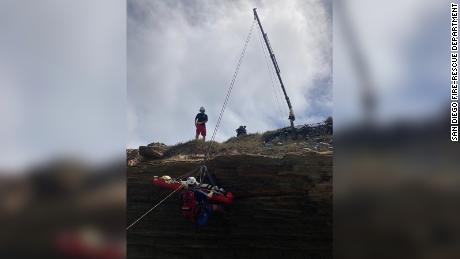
(282, 206)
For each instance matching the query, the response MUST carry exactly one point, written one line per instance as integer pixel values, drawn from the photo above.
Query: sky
(87, 78)
(405, 47)
(62, 81)
(182, 55)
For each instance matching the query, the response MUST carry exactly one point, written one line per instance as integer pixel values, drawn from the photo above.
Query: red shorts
(201, 129)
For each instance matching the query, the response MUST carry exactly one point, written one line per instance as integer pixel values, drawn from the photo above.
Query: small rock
(151, 152)
(133, 157)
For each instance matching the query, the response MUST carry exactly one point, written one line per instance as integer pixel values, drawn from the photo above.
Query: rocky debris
(149, 152)
(307, 131)
(154, 150)
(132, 156)
(315, 137)
(307, 138)
(158, 145)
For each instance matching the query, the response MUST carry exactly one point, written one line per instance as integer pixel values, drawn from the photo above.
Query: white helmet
(201, 109)
(191, 181)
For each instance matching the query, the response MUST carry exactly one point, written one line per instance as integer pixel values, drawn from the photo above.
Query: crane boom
(277, 69)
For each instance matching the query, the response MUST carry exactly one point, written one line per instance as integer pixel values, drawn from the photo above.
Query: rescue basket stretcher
(214, 193)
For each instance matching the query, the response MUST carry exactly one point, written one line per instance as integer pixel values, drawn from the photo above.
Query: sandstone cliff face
(282, 209)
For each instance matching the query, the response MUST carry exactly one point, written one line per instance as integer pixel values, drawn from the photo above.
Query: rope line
(227, 97)
(156, 205)
(219, 121)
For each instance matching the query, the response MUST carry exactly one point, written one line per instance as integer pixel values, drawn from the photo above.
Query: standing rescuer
(200, 124)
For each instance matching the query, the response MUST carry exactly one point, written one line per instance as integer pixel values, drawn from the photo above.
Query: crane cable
(229, 91)
(203, 167)
(277, 93)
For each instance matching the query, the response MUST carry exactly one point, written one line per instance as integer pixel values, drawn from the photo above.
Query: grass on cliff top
(245, 144)
(249, 144)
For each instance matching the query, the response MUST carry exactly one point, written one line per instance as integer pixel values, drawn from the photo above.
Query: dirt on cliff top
(303, 139)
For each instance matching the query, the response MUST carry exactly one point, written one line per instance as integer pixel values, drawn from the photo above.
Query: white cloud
(66, 80)
(182, 55)
(404, 50)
